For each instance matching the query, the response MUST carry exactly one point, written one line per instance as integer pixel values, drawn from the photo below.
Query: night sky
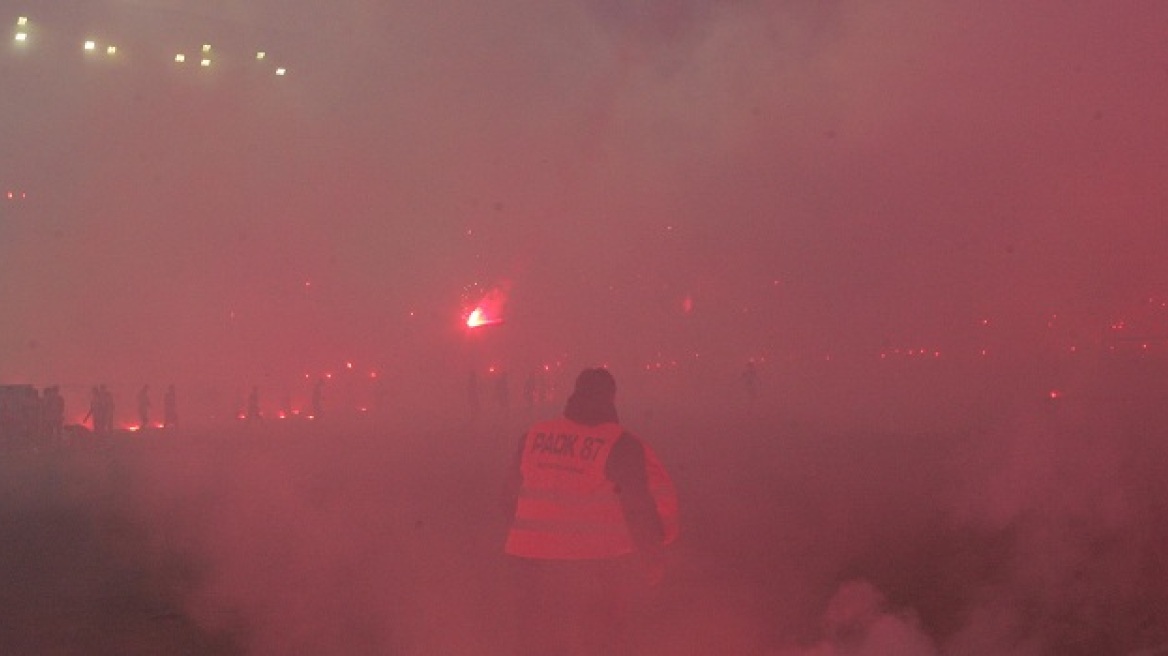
(641, 179)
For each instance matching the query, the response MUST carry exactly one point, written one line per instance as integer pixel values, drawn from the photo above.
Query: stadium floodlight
(22, 20)
(111, 50)
(281, 71)
(90, 45)
(205, 63)
(206, 47)
(180, 58)
(261, 54)
(22, 37)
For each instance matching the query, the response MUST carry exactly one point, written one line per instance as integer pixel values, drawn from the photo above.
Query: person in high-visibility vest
(590, 506)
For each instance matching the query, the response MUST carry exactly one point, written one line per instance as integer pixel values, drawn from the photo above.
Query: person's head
(593, 401)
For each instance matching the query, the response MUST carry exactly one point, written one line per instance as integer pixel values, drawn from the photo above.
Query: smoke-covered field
(883, 515)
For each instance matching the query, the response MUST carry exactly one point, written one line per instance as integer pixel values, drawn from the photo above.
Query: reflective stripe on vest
(568, 509)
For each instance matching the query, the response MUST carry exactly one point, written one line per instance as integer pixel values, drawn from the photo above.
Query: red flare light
(478, 318)
(489, 311)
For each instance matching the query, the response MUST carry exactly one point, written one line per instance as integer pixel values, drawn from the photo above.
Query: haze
(938, 230)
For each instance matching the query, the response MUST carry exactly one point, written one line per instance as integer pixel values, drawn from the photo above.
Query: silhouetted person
(94, 411)
(749, 380)
(253, 404)
(144, 407)
(106, 416)
(169, 408)
(54, 413)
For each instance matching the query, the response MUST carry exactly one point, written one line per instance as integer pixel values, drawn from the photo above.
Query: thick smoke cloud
(667, 188)
(824, 176)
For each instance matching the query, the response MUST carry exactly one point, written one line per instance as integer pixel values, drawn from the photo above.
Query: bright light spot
(261, 54)
(348, 365)
(489, 311)
(373, 374)
(21, 36)
(477, 318)
(280, 71)
(22, 20)
(90, 45)
(328, 376)
(1055, 394)
(687, 304)
(205, 63)
(111, 50)
(363, 409)
(206, 47)
(180, 58)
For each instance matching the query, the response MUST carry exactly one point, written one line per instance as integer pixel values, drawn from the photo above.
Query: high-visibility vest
(568, 509)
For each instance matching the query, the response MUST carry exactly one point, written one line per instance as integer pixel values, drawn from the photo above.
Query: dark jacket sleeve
(626, 469)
